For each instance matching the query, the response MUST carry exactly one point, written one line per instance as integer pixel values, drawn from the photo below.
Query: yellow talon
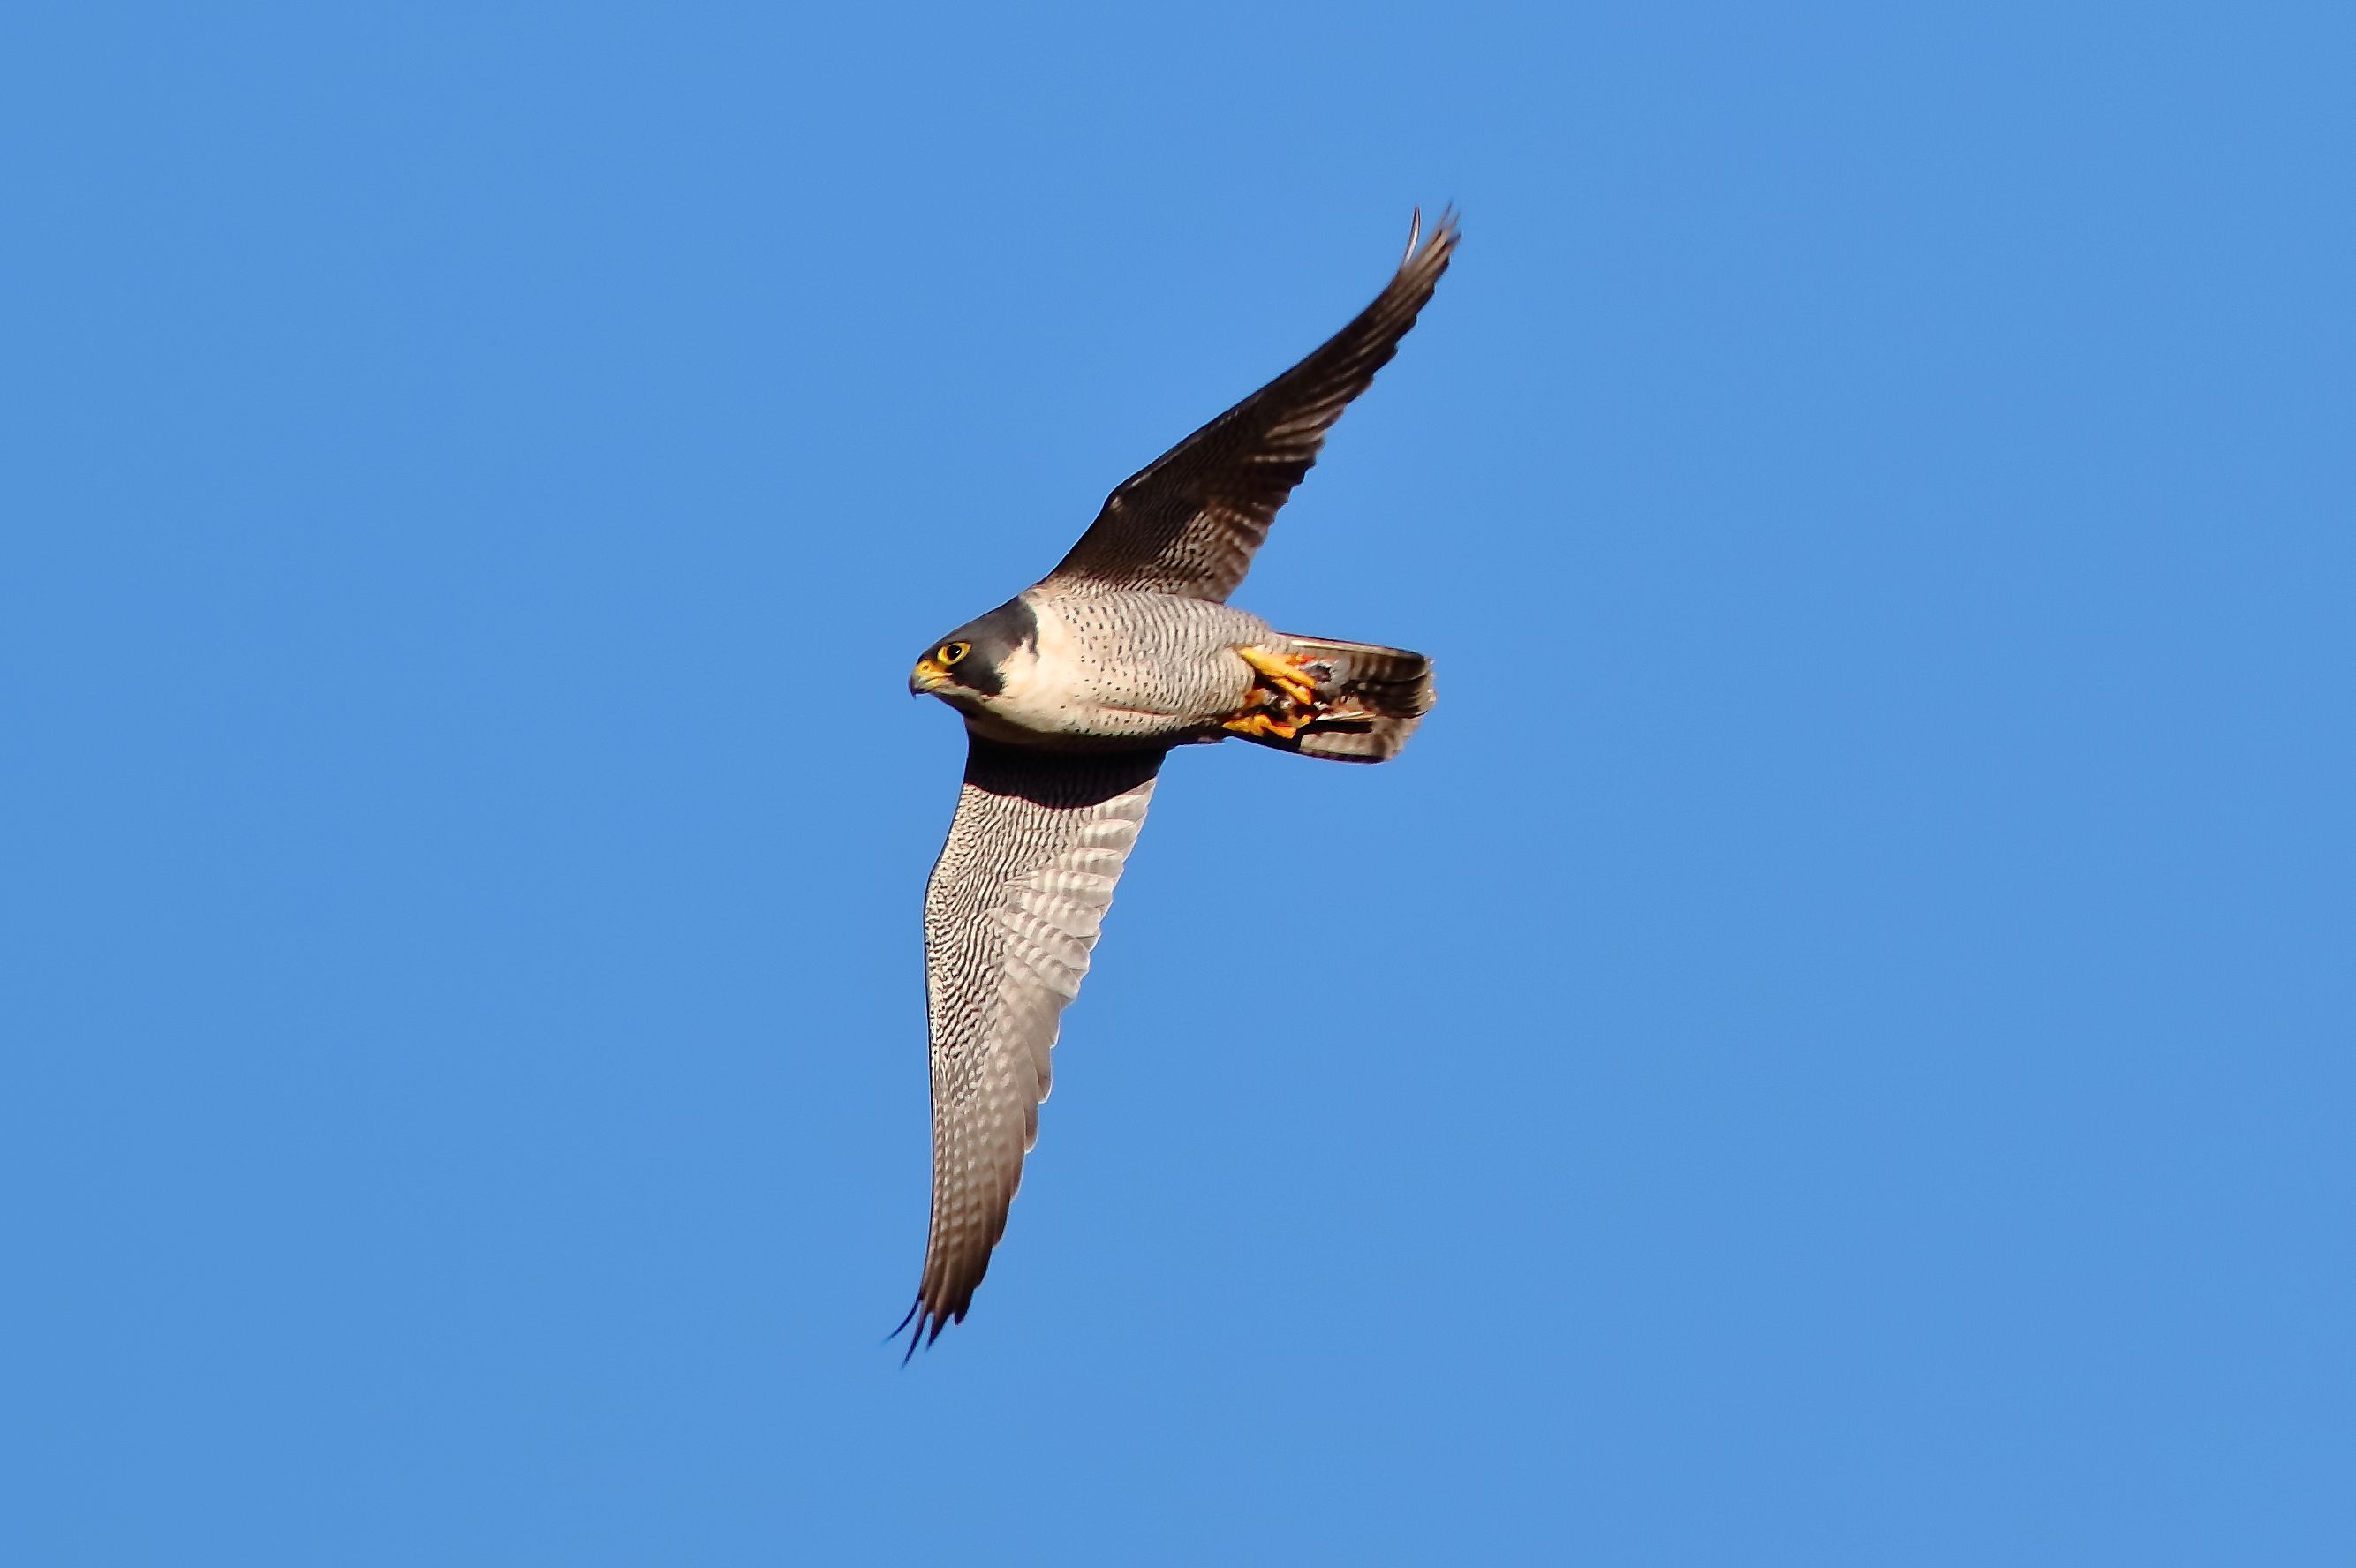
(1284, 673)
(1263, 724)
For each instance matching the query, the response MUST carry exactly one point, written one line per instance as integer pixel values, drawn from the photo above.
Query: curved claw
(1252, 724)
(1287, 673)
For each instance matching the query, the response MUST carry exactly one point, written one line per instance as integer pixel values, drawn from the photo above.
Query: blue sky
(1832, 1046)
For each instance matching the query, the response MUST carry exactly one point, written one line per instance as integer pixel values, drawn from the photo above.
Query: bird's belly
(1103, 672)
(1112, 702)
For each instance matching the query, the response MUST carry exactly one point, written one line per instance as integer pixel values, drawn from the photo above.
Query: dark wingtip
(927, 1322)
(1441, 246)
(1429, 252)
(1444, 230)
(915, 1339)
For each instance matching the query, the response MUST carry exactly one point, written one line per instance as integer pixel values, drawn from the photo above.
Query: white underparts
(1120, 668)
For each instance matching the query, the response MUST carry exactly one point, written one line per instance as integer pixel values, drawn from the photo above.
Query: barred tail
(1369, 699)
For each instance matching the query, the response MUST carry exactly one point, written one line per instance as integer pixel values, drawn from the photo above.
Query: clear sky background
(1833, 1046)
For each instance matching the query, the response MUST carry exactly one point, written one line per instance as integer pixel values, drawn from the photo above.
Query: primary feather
(1190, 521)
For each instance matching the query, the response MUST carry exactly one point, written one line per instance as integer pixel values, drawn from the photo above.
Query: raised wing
(1014, 907)
(1189, 523)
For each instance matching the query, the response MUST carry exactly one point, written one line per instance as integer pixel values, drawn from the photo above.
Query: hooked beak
(929, 676)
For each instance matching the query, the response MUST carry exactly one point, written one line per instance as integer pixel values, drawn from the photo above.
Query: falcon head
(970, 664)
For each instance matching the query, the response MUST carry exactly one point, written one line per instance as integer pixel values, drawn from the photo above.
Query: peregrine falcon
(1073, 693)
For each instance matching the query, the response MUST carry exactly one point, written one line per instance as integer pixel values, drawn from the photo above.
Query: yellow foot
(1266, 724)
(1285, 673)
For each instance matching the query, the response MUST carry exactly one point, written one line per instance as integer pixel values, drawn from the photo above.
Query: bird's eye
(952, 652)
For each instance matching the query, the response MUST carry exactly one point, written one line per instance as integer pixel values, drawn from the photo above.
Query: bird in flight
(1073, 693)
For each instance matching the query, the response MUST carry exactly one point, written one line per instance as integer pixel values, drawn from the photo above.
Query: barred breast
(1114, 666)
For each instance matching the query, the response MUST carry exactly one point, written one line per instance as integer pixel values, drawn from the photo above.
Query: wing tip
(1428, 255)
(1445, 229)
(928, 1319)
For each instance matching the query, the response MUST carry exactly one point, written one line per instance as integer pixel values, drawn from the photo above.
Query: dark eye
(952, 652)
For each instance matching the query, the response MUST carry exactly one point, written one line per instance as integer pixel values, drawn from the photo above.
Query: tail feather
(1369, 699)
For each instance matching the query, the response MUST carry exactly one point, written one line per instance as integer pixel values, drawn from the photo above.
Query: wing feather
(1014, 906)
(1189, 523)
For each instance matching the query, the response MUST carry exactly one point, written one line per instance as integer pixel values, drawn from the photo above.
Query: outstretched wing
(1189, 523)
(1014, 907)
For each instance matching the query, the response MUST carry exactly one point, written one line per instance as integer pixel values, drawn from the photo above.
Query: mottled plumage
(1072, 693)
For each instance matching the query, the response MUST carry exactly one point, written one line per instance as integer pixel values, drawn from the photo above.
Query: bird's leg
(1293, 699)
(1287, 673)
